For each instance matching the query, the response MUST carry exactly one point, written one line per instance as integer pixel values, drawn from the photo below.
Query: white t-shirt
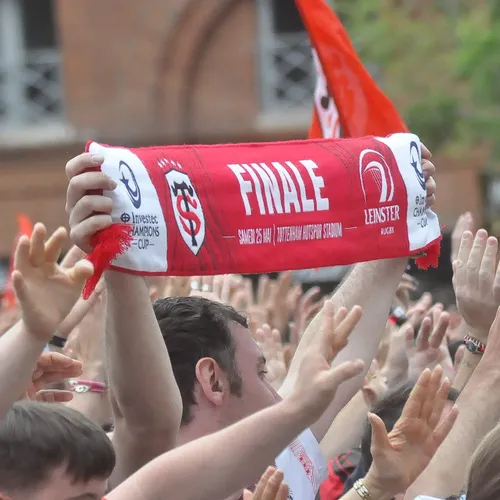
(303, 466)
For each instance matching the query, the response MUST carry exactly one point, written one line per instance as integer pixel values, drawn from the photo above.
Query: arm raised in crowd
(479, 405)
(372, 285)
(46, 293)
(400, 456)
(229, 460)
(147, 402)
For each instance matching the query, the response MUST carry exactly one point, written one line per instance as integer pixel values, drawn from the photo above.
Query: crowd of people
(213, 388)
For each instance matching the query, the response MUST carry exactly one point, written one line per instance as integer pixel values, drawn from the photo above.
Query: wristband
(473, 345)
(58, 341)
(82, 386)
(397, 316)
(361, 490)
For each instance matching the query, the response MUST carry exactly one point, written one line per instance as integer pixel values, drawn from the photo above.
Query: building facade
(155, 71)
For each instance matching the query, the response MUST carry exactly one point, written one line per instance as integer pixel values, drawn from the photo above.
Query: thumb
(380, 439)
(345, 371)
(247, 495)
(21, 290)
(81, 271)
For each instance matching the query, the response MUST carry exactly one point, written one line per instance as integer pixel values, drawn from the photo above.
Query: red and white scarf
(256, 208)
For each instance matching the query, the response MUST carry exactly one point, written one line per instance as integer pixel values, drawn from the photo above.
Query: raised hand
(476, 281)
(45, 291)
(270, 487)
(417, 311)
(401, 456)
(88, 213)
(407, 285)
(269, 342)
(374, 385)
(317, 382)
(431, 346)
(429, 170)
(464, 223)
(52, 367)
(308, 307)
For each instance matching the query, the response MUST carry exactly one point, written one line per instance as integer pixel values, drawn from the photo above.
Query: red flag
(346, 94)
(25, 227)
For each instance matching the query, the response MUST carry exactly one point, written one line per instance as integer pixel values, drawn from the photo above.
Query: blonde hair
(484, 473)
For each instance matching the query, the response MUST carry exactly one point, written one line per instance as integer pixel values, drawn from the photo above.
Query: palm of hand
(412, 446)
(478, 313)
(420, 360)
(51, 294)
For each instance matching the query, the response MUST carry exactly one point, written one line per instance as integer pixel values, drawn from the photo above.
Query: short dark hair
(389, 409)
(36, 438)
(194, 328)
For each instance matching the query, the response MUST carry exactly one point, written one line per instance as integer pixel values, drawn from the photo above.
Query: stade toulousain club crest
(187, 210)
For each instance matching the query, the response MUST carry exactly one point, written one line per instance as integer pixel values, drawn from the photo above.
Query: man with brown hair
(51, 452)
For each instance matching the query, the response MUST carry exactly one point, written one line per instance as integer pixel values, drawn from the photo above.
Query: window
(30, 81)
(287, 75)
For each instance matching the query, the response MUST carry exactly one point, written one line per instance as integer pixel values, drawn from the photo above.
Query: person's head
(484, 474)
(51, 452)
(389, 409)
(218, 366)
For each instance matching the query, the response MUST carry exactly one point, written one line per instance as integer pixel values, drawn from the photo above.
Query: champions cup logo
(187, 208)
(376, 178)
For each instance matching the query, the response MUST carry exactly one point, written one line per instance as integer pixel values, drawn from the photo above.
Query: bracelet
(82, 386)
(361, 490)
(58, 341)
(473, 345)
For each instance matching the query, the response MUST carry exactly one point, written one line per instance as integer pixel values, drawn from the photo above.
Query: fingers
(439, 331)
(88, 205)
(414, 405)
(445, 426)
(57, 361)
(37, 245)
(380, 439)
(487, 268)
(475, 257)
(53, 246)
(85, 182)
(22, 254)
(82, 233)
(409, 335)
(54, 396)
(344, 329)
(345, 371)
(438, 404)
(80, 163)
(73, 255)
(21, 290)
(81, 271)
(261, 485)
(273, 486)
(426, 154)
(430, 394)
(423, 335)
(460, 265)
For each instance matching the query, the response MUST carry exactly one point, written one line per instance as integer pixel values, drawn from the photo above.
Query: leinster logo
(376, 177)
(415, 163)
(187, 210)
(127, 178)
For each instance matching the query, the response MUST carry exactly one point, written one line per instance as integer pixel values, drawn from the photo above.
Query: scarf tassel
(107, 245)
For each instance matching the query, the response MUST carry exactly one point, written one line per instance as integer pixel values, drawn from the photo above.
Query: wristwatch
(473, 345)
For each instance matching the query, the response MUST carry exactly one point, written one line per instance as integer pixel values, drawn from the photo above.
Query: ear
(212, 380)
